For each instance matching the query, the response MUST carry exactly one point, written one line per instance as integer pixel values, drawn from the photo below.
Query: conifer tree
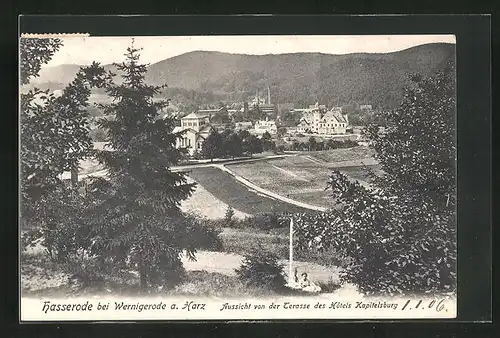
(136, 221)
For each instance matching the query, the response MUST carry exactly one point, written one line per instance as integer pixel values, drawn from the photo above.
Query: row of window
(192, 124)
(185, 142)
(332, 125)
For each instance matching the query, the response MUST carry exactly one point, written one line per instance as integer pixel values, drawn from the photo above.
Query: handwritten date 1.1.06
(433, 304)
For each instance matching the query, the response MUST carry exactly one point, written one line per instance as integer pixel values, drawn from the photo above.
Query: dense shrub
(56, 223)
(400, 234)
(262, 269)
(229, 217)
(265, 221)
(204, 234)
(98, 135)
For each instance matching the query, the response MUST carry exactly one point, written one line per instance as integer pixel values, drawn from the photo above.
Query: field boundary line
(266, 192)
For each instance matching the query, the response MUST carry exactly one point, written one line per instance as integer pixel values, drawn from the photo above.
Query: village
(315, 121)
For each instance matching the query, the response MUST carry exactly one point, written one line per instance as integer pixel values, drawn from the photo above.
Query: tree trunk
(74, 177)
(143, 277)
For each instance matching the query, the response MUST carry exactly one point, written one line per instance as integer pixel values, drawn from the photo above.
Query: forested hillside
(299, 78)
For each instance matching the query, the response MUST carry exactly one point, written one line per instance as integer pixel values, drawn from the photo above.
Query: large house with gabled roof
(196, 128)
(316, 119)
(333, 122)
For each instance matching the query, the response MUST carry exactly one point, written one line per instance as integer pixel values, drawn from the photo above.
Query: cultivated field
(295, 177)
(304, 177)
(231, 192)
(341, 155)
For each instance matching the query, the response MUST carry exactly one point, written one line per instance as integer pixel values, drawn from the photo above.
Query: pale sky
(84, 50)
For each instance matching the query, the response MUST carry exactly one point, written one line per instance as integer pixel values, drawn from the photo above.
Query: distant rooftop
(194, 116)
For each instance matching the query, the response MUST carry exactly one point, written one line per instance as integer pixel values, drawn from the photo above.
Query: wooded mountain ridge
(299, 78)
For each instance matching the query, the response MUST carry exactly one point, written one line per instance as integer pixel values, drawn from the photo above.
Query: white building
(196, 129)
(246, 125)
(265, 126)
(303, 127)
(332, 123)
(317, 120)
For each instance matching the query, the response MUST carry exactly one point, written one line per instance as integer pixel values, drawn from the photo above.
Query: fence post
(290, 281)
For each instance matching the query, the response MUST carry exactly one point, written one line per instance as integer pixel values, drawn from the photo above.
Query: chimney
(268, 95)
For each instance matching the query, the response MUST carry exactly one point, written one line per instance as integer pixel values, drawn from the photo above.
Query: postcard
(237, 177)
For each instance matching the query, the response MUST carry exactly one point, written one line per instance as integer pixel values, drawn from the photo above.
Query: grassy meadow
(227, 189)
(304, 177)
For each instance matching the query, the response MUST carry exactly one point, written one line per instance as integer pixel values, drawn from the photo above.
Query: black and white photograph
(237, 177)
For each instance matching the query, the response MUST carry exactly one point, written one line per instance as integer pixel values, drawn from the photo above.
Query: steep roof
(335, 115)
(177, 129)
(193, 116)
(341, 118)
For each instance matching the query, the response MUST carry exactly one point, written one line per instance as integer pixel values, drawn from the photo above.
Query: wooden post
(290, 271)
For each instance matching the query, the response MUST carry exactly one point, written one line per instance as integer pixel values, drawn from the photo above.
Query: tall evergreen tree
(136, 221)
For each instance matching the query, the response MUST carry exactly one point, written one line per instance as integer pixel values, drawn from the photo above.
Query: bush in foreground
(261, 268)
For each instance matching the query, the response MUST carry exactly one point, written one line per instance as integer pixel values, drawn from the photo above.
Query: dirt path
(225, 263)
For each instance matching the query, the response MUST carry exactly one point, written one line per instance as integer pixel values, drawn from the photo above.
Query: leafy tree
(244, 134)
(251, 144)
(54, 135)
(401, 233)
(281, 131)
(254, 145)
(229, 217)
(313, 144)
(266, 136)
(290, 118)
(221, 117)
(212, 146)
(233, 145)
(332, 144)
(135, 220)
(34, 53)
(267, 142)
(54, 138)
